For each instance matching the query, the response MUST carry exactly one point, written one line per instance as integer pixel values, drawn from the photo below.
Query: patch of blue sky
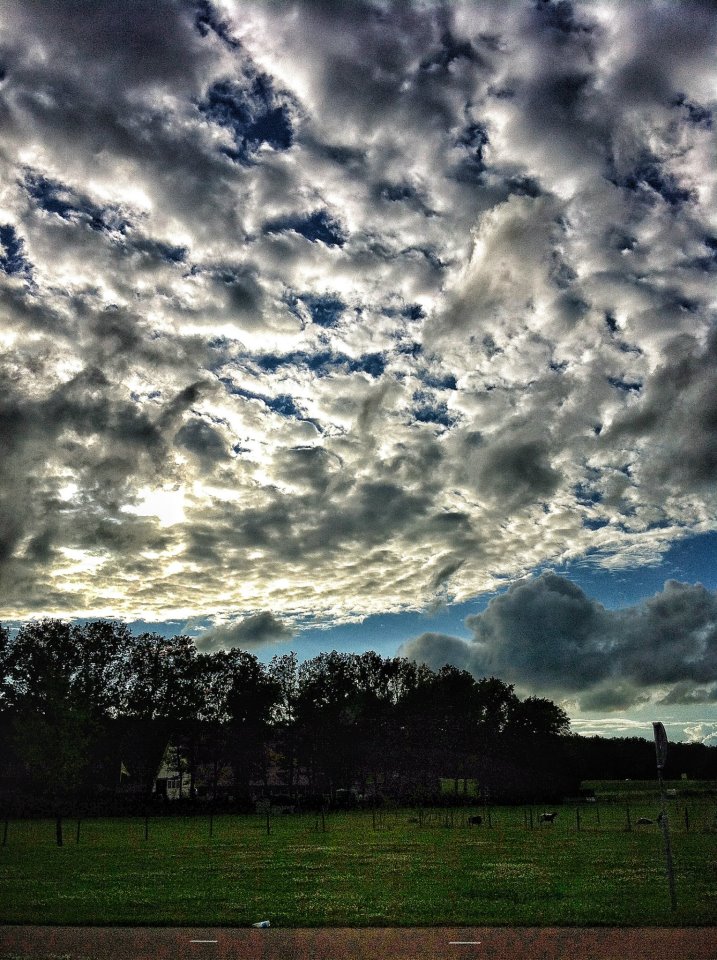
(627, 386)
(412, 349)
(438, 381)
(585, 494)
(434, 412)
(318, 226)
(54, 197)
(13, 262)
(471, 167)
(396, 192)
(625, 347)
(326, 311)
(523, 186)
(649, 177)
(207, 19)
(252, 113)
(283, 403)
(694, 113)
(158, 250)
(73, 207)
(384, 632)
(689, 560)
(323, 362)
(595, 523)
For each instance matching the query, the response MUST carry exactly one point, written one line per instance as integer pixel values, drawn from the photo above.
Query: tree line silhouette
(87, 711)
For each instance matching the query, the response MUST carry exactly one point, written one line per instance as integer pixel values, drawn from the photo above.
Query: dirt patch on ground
(492, 943)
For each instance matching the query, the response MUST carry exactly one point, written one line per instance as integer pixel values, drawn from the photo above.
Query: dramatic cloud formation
(254, 631)
(546, 636)
(339, 308)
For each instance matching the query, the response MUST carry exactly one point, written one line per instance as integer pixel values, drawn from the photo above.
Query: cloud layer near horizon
(342, 308)
(547, 637)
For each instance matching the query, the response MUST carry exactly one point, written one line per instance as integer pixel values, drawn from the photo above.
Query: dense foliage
(81, 703)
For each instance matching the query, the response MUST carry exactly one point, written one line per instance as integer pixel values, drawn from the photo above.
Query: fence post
(211, 825)
(4, 833)
(597, 811)
(577, 818)
(77, 837)
(268, 821)
(628, 829)
(687, 820)
(530, 810)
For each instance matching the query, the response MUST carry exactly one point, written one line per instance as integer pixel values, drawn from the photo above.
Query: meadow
(367, 868)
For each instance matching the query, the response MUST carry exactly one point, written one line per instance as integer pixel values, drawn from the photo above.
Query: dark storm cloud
(679, 410)
(202, 440)
(254, 631)
(547, 636)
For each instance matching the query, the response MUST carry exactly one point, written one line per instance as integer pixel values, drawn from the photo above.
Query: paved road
(485, 943)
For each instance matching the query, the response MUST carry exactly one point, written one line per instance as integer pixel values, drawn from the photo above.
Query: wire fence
(696, 816)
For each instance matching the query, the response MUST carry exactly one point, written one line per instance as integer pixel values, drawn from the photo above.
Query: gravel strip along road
(506, 943)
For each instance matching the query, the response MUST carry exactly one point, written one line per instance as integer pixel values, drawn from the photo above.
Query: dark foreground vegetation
(88, 712)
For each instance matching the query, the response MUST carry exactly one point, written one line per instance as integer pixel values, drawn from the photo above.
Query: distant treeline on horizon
(87, 713)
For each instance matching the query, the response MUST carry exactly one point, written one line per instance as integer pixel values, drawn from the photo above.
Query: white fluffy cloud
(328, 308)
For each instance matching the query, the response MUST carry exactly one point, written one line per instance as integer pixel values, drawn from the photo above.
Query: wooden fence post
(629, 821)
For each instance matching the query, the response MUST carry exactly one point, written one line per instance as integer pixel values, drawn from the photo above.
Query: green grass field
(400, 873)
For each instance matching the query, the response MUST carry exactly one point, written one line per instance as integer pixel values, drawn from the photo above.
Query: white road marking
(463, 943)
(204, 941)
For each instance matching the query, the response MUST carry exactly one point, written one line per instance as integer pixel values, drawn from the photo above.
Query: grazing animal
(548, 817)
(644, 821)
(475, 821)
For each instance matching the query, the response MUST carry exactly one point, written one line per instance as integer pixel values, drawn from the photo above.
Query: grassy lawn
(401, 873)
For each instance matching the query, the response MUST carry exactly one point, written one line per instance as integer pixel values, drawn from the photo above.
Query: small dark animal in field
(475, 821)
(548, 817)
(644, 821)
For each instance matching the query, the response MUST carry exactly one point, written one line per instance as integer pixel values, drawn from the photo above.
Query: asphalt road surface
(485, 943)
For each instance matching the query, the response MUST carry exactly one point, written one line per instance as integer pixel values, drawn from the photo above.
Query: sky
(373, 325)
